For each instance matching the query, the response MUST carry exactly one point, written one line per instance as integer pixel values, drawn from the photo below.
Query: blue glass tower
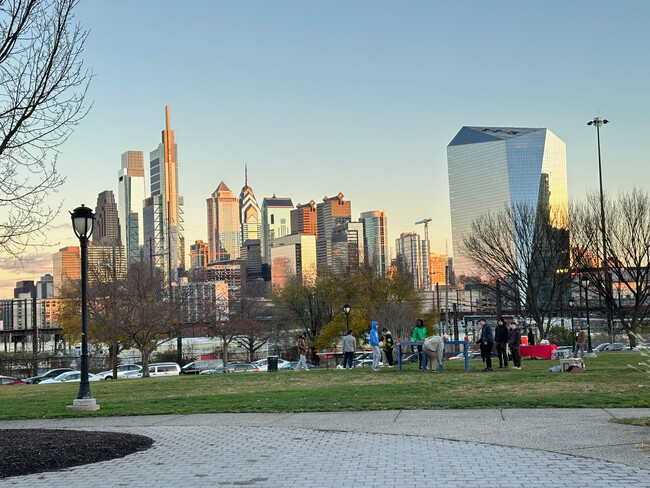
(492, 167)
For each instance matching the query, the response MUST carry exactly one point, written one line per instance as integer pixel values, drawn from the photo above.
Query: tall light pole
(597, 122)
(584, 281)
(572, 304)
(347, 309)
(83, 219)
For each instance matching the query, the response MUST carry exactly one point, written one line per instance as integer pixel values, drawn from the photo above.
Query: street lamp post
(584, 281)
(82, 222)
(347, 309)
(597, 122)
(572, 304)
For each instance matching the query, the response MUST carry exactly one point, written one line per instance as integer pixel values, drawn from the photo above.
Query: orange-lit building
(329, 213)
(303, 219)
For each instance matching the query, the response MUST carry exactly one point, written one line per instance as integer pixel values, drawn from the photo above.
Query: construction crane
(426, 227)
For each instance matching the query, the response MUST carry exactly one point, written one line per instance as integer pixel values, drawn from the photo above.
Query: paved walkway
(450, 448)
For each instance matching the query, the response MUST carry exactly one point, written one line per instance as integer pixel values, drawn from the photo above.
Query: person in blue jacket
(374, 345)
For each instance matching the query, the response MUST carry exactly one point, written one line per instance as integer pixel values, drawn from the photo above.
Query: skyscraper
(276, 222)
(494, 167)
(304, 219)
(106, 231)
(131, 193)
(163, 212)
(347, 247)
(329, 213)
(375, 240)
(224, 230)
(409, 256)
(249, 212)
(293, 256)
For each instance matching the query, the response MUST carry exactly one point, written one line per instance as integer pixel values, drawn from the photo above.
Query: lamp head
(346, 309)
(584, 281)
(572, 303)
(83, 219)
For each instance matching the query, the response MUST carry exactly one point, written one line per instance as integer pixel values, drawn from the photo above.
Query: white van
(164, 369)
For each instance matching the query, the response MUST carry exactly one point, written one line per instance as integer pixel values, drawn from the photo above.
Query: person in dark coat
(486, 343)
(514, 340)
(531, 337)
(501, 341)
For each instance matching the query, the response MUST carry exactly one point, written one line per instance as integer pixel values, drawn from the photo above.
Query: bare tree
(526, 251)
(43, 84)
(628, 243)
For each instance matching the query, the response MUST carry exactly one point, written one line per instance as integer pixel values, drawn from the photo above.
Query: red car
(8, 380)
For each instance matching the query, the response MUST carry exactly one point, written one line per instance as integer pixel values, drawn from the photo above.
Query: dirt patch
(28, 451)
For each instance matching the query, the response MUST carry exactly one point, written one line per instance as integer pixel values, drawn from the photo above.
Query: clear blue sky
(358, 97)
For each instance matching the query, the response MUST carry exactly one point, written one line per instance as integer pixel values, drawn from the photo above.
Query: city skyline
(320, 99)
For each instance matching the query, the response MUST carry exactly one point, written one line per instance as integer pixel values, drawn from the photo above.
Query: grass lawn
(607, 382)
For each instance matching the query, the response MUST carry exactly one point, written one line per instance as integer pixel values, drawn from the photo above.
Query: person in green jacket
(419, 334)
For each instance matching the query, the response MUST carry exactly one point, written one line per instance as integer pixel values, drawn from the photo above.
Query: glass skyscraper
(494, 167)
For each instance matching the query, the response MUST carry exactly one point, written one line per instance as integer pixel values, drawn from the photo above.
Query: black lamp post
(597, 122)
(584, 281)
(347, 309)
(572, 304)
(82, 222)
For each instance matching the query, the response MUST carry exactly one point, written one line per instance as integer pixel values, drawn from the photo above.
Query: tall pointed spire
(245, 175)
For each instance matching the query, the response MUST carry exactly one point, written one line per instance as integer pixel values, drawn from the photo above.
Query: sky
(358, 97)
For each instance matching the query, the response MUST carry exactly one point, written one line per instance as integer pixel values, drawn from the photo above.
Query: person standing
(388, 346)
(434, 348)
(487, 342)
(303, 349)
(374, 345)
(419, 334)
(514, 340)
(501, 334)
(581, 342)
(531, 337)
(349, 346)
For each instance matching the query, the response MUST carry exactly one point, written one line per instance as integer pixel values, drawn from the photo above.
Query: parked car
(53, 373)
(195, 367)
(642, 346)
(121, 369)
(263, 364)
(615, 346)
(233, 368)
(461, 356)
(292, 365)
(155, 370)
(69, 377)
(10, 380)
(600, 347)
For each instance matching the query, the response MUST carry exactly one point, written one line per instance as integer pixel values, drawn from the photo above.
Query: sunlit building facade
(249, 212)
(131, 193)
(375, 240)
(276, 222)
(491, 168)
(330, 212)
(224, 230)
(293, 256)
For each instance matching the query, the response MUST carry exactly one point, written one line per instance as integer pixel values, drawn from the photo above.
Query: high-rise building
(163, 212)
(198, 254)
(293, 256)
(409, 256)
(66, 264)
(45, 287)
(131, 193)
(375, 240)
(491, 168)
(249, 212)
(329, 213)
(106, 230)
(276, 222)
(25, 289)
(224, 231)
(304, 219)
(251, 253)
(437, 267)
(347, 247)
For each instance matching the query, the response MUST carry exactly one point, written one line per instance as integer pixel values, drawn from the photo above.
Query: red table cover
(540, 351)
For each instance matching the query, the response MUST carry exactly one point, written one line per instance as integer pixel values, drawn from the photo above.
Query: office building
(251, 253)
(164, 242)
(224, 230)
(409, 256)
(45, 287)
(198, 255)
(276, 222)
(249, 213)
(106, 230)
(131, 193)
(201, 302)
(293, 256)
(304, 219)
(375, 240)
(491, 168)
(25, 289)
(347, 247)
(66, 264)
(329, 213)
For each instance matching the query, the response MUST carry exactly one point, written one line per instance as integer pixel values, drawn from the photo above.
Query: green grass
(607, 382)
